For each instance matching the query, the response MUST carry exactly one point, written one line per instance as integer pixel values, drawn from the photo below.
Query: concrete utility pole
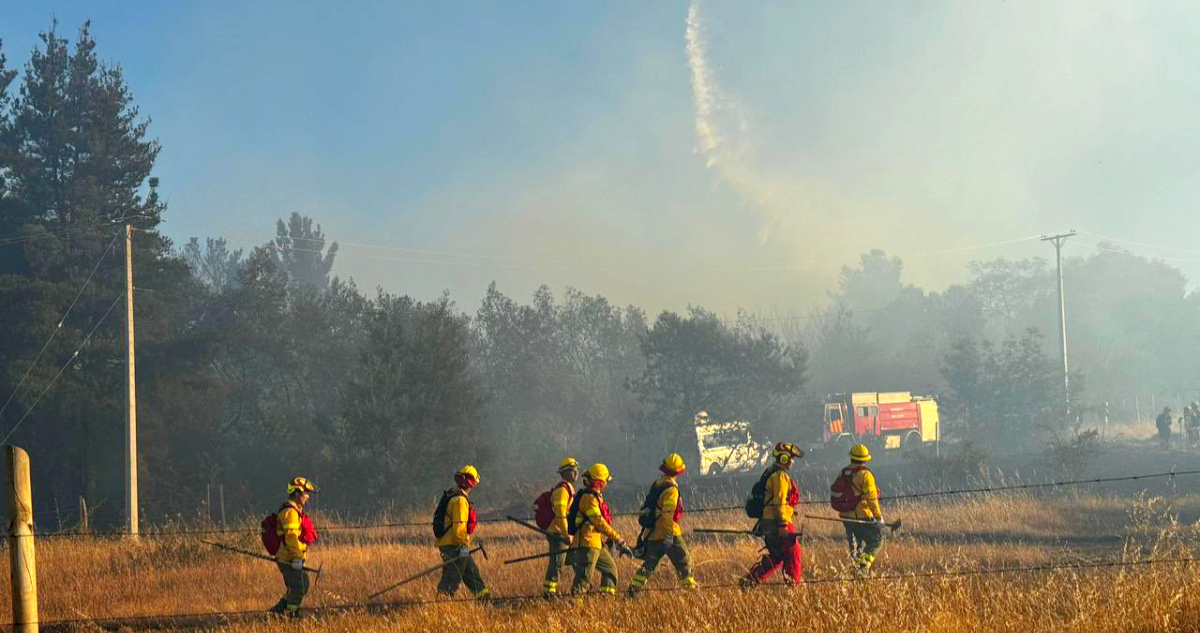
(1058, 240)
(131, 481)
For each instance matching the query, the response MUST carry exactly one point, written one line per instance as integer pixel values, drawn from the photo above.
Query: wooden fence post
(22, 562)
(85, 526)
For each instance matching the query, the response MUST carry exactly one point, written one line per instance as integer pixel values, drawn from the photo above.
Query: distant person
(550, 512)
(591, 522)
(1163, 422)
(1191, 423)
(454, 526)
(295, 533)
(661, 513)
(773, 501)
(855, 496)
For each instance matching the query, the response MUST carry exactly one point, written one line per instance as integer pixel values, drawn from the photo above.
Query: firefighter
(1191, 423)
(558, 535)
(1163, 422)
(592, 521)
(296, 533)
(663, 510)
(458, 527)
(857, 484)
(780, 496)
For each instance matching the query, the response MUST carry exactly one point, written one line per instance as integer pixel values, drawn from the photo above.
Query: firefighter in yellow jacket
(592, 522)
(780, 496)
(661, 514)
(558, 534)
(296, 534)
(865, 540)
(458, 523)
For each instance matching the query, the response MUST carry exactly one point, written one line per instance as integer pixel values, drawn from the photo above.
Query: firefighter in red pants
(780, 496)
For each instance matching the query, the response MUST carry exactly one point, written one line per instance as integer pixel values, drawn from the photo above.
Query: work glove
(624, 549)
(298, 564)
(668, 542)
(464, 552)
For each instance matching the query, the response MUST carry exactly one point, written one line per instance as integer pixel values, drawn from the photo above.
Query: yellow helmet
(786, 452)
(860, 453)
(469, 472)
(568, 463)
(598, 472)
(672, 464)
(300, 484)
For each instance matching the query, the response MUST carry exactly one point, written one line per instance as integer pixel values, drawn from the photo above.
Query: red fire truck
(887, 420)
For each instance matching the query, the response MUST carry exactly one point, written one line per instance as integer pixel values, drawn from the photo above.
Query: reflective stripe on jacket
(868, 497)
(288, 528)
(457, 522)
(668, 512)
(560, 502)
(782, 495)
(593, 526)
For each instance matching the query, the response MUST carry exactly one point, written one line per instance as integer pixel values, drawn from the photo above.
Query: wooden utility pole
(1058, 240)
(22, 561)
(131, 481)
(221, 494)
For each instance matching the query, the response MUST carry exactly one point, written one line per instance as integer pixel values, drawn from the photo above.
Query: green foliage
(696, 363)
(1003, 397)
(1073, 453)
(554, 377)
(410, 414)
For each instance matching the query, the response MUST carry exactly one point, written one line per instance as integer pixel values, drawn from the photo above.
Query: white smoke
(721, 130)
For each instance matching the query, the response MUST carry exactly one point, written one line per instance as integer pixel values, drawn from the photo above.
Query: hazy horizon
(706, 153)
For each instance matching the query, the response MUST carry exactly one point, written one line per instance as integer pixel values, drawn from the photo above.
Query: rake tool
(311, 570)
(543, 555)
(426, 572)
(894, 525)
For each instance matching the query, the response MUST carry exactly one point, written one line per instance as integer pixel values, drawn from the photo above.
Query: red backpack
(543, 509)
(271, 539)
(843, 497)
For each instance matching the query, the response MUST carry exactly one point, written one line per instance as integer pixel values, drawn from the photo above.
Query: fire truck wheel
(912, 443)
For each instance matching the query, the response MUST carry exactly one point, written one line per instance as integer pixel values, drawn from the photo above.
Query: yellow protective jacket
(591, 528)
(868, 497)
(668, 501)
(288, 528)
(458, 511)
(560, 502)
(781, 488)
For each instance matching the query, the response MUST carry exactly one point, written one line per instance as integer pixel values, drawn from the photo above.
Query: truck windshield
(732, 437)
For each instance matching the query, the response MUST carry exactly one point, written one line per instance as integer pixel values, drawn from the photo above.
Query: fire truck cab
(888, 420)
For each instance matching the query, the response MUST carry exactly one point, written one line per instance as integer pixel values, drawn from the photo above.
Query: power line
(97, 226)
(58, 327)
(1125, 252)
(62, 369)
(1142, 244)
(914, 495)
(535, 261)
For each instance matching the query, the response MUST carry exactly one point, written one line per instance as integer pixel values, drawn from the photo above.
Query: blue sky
(562, 143)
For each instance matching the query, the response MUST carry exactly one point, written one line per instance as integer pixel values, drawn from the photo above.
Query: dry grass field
(89, 578)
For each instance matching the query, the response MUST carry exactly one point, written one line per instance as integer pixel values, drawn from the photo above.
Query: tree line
(254, 366)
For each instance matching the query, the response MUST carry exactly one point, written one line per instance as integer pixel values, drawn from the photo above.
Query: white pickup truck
(726, 447)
